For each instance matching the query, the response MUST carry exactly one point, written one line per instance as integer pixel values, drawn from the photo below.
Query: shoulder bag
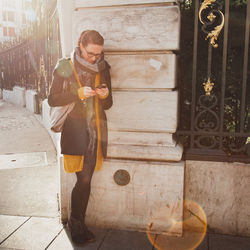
(59, 114)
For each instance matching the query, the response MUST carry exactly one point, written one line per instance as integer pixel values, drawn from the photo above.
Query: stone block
(94, 3)
(31, 100)
(66, 183)
(46, 114)
(8, 96)
(221, 189)
(146, 71)
(140, 152)
(19, 96)
(137, 28)
(143, 146)
(153, 195)
(140, 138)
(144, 111)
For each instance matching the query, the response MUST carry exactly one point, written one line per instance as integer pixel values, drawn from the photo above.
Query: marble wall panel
(151, 196)
(131, 29)
(141, 138)
(94, 3)
(143, 111)
(222, 190)
(143, 70)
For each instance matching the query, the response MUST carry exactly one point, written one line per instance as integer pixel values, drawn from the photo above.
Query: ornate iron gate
(214, 115)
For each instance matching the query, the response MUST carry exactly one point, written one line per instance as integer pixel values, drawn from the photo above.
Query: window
(11, 31)
(24, 19)
(11, 16)
(5, 31)
(4, 16)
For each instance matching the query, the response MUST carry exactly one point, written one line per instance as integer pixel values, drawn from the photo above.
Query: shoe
(76, 231)
(90, 237)
(87, 233)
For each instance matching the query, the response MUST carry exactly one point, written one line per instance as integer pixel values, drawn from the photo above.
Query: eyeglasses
(90, 54)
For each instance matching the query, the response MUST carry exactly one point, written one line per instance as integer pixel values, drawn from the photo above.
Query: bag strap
(75, 73)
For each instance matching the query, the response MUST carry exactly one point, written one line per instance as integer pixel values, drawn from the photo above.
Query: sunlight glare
(30, 15)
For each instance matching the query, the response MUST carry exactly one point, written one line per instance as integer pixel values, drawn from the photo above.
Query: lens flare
(179, 234)
(30, 15)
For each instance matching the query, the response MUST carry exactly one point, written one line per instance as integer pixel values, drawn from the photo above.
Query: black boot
(88, 234)
(76, 231)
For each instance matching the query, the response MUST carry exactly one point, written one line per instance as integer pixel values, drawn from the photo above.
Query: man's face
(91, 52)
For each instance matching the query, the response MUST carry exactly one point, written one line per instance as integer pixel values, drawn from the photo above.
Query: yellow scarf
(99, 156)
(74, 163)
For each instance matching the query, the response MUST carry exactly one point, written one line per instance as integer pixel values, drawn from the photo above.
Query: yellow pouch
(73, 163)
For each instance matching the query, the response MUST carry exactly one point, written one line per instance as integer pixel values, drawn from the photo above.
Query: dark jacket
(74, 137)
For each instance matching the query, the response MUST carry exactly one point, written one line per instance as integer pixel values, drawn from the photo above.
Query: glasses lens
(90, 54)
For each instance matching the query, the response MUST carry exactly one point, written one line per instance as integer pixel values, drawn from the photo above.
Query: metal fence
(29, 61)
(18, 67)
(214, 116)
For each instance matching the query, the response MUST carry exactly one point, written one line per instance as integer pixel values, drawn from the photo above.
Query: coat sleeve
(107, 102)
(58, 97)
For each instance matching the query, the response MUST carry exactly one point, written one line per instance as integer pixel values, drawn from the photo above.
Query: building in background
(14, 16)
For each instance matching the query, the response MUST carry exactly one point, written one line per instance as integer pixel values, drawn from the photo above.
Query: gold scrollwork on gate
(213, 35)
(208, 86)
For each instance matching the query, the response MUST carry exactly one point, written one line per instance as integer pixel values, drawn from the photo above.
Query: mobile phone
(102, 86)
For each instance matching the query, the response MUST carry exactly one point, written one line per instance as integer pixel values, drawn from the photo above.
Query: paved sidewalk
(27, 233)
(28, 170)
(29, 217)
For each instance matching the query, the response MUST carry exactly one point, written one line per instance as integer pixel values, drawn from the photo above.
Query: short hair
(90, 36)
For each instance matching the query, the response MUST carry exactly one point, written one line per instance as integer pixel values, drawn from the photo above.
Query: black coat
(74, 137)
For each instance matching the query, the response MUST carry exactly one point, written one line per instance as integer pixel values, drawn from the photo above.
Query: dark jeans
(81, 191)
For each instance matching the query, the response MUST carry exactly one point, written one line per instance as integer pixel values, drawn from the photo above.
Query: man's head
(91, 45)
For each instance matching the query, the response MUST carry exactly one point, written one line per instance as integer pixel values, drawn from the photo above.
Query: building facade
(14, 17)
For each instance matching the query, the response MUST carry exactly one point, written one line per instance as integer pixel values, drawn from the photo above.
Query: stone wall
(222, 190)
(139, 40)
(15, 96)
(30, 100)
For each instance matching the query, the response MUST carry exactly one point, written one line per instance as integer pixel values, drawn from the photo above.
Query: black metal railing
(16, 67)
(28, 62)
(214, 117)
